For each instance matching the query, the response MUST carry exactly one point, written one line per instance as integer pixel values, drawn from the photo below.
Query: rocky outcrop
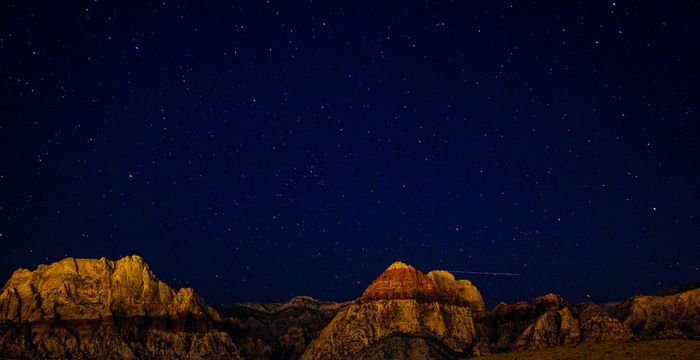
(665, 315)
(402, 314)
(88, 308)
(279, 331)
(550, 321)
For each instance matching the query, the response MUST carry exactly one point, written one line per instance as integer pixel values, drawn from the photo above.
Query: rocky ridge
(278, 331)
(662, 316)
(102, 309)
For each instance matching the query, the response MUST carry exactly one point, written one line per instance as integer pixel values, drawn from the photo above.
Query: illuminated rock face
(403, 314)
(401, 281)
(91, 289)
(105, 309)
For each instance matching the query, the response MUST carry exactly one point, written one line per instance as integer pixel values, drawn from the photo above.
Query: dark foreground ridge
(103, 309)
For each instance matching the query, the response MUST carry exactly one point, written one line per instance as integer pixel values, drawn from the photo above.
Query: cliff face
(105, 309)
(92, 289)
(402, 314)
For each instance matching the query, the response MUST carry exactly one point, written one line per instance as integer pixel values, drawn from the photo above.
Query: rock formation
(403, 314)
(87, 308)
(549, 321)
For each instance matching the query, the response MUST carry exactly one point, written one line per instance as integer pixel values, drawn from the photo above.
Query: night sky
(270, 149)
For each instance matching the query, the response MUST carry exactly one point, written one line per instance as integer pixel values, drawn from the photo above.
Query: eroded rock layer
(278, 331)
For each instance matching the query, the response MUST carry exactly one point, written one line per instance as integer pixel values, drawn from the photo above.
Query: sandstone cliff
(87, 308)
(402, 314)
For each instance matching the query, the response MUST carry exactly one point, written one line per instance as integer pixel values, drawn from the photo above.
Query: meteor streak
(484, 273)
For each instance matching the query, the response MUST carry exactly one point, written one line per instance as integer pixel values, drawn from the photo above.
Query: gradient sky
(268, 149)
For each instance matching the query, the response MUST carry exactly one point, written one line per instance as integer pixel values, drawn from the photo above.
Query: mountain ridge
(99, 308)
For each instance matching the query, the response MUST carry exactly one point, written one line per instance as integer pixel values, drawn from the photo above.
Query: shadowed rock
(278, 331)
(549, 321)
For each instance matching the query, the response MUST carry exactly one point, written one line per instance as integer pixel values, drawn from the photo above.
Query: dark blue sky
(268, 149)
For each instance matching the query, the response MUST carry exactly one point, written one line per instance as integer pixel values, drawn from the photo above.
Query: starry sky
(266, 149)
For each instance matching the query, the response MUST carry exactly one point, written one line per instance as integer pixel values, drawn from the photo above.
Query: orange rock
(401, 281)
(90, 289)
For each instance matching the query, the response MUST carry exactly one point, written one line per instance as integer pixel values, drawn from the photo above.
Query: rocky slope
(673, 315)
(87, 308)
(551, 321)
(279, 331)
(403, 314)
